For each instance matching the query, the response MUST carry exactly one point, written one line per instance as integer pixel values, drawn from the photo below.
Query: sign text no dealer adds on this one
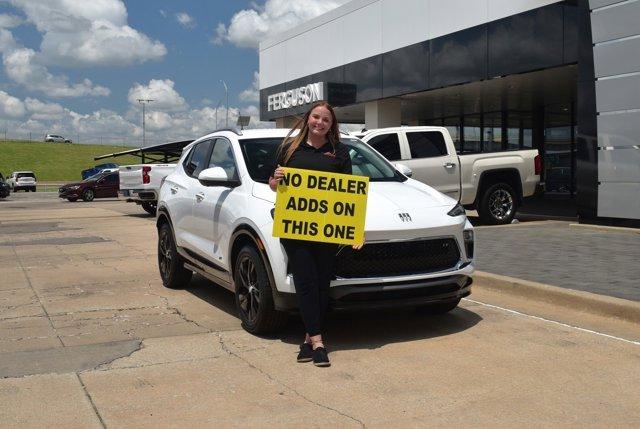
(321, 206)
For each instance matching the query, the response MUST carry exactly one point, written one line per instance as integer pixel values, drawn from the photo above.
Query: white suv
(56, 139)
(215, 218)
(22, 180)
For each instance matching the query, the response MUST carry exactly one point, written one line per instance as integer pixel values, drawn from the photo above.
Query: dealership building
(562, 77)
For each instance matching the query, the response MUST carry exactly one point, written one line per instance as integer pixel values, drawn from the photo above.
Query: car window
(25, 175)
(260, 155)
(196, 161)
(388, 145)
(111, 179)
(426, 144)
(222, 156)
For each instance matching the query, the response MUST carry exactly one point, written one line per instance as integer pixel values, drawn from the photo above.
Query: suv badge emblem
(405, 217)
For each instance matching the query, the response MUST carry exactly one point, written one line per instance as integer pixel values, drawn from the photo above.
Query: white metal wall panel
(619, 200)
(372, 27)
(618, 93)
(273, 66)
(413, 14)
(449, 16)
(498, 9)
(619, 129)
(361, 33)
(594, 4)
(619, 165)
(616, 22)
(617, 57)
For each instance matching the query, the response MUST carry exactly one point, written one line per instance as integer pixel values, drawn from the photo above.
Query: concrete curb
(574, 299)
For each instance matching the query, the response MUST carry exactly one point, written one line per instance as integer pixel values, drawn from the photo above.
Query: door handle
(449, 165)
(199, 196)
(174, 189)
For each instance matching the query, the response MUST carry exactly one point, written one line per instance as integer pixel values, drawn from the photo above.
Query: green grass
(56, 162)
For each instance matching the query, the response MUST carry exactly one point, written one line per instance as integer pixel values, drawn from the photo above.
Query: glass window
(388, 145)
(426, 144)
(111, 179)
(222, 156)
(492, 132)
(471, 134)
(453, 125)
(195, 162)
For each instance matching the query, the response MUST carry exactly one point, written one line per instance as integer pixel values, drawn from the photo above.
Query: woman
(316, 147)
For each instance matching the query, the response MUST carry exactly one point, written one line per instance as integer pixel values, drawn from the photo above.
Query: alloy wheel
(165, 255)
(248, 291)
(500, 204)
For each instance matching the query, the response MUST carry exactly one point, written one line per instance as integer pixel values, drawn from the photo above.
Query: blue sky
(76, 67)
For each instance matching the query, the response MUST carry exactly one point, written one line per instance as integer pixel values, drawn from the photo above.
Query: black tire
(438, 308)
(172, 271)
(149, 208)
(72, 200)
(33, 189)
(88, 195)
(498, 204)
(254, 299)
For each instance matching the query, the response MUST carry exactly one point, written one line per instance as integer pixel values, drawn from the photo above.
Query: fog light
(468, 242)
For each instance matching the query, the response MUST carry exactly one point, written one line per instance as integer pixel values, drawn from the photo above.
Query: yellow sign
(320, 206)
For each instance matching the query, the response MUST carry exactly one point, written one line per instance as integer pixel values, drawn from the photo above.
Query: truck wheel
(172, 271)
(498, 204)
(149, 208)
(438, 308)
(254, 300)
(88, 195)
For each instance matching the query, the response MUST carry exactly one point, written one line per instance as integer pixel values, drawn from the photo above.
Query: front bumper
(69, 193)
(389, 295)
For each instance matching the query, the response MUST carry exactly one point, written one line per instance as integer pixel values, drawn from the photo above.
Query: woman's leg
(303, 264)
(326, 256)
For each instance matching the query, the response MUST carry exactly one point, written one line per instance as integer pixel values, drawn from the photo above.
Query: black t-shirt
(323, 159)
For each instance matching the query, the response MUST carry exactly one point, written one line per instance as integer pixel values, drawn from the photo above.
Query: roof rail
(232, 129)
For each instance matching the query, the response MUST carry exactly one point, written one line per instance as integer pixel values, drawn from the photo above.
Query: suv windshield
(260, 154)
(25, 175)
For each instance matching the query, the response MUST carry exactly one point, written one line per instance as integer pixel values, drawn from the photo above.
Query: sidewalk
(599, 260)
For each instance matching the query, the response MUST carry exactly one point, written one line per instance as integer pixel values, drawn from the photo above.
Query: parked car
(4, 187)
(140, 184)
(97, 169)
(101, 185)
(494, 183)
(215, 219)
(22, 180)
(55, 138)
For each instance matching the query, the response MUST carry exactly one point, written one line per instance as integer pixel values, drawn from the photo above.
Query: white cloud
(185, 20)
(252, 94)
(22, 67)
(9, 21)
(7, 42)
(164, 97)
(250, 26)
(10, 106)
(88, 33)
(44, 111)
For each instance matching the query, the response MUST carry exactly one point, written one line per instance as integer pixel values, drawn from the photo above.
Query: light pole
(144, 102)
(226, 94)
(217, 105)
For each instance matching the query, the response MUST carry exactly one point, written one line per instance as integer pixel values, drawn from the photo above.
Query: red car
(102, 185)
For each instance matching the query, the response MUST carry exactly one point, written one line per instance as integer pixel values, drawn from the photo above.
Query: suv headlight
(457, 210)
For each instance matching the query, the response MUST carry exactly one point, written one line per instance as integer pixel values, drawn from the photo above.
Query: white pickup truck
(141, 183)
(493, 183)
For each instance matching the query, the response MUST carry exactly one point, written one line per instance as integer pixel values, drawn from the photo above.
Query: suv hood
(385, 196)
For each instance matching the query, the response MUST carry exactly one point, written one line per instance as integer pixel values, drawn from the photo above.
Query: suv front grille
(398, 258)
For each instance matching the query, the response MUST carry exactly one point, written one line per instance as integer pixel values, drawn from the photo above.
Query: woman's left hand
(358, 246)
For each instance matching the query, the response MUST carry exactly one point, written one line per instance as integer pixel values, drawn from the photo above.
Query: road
(90, 338)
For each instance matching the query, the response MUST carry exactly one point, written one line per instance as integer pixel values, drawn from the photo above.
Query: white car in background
(22, 180)
(215, 218)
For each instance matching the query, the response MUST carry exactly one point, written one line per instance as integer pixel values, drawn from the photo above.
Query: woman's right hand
(276, 178)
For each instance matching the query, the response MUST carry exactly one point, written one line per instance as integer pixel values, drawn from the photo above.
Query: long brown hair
(290, 144)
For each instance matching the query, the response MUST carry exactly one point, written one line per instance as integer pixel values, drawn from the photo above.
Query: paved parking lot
(90, 338)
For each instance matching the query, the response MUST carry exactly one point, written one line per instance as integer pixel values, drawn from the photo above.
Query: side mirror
(216, 176)
(403, 169)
